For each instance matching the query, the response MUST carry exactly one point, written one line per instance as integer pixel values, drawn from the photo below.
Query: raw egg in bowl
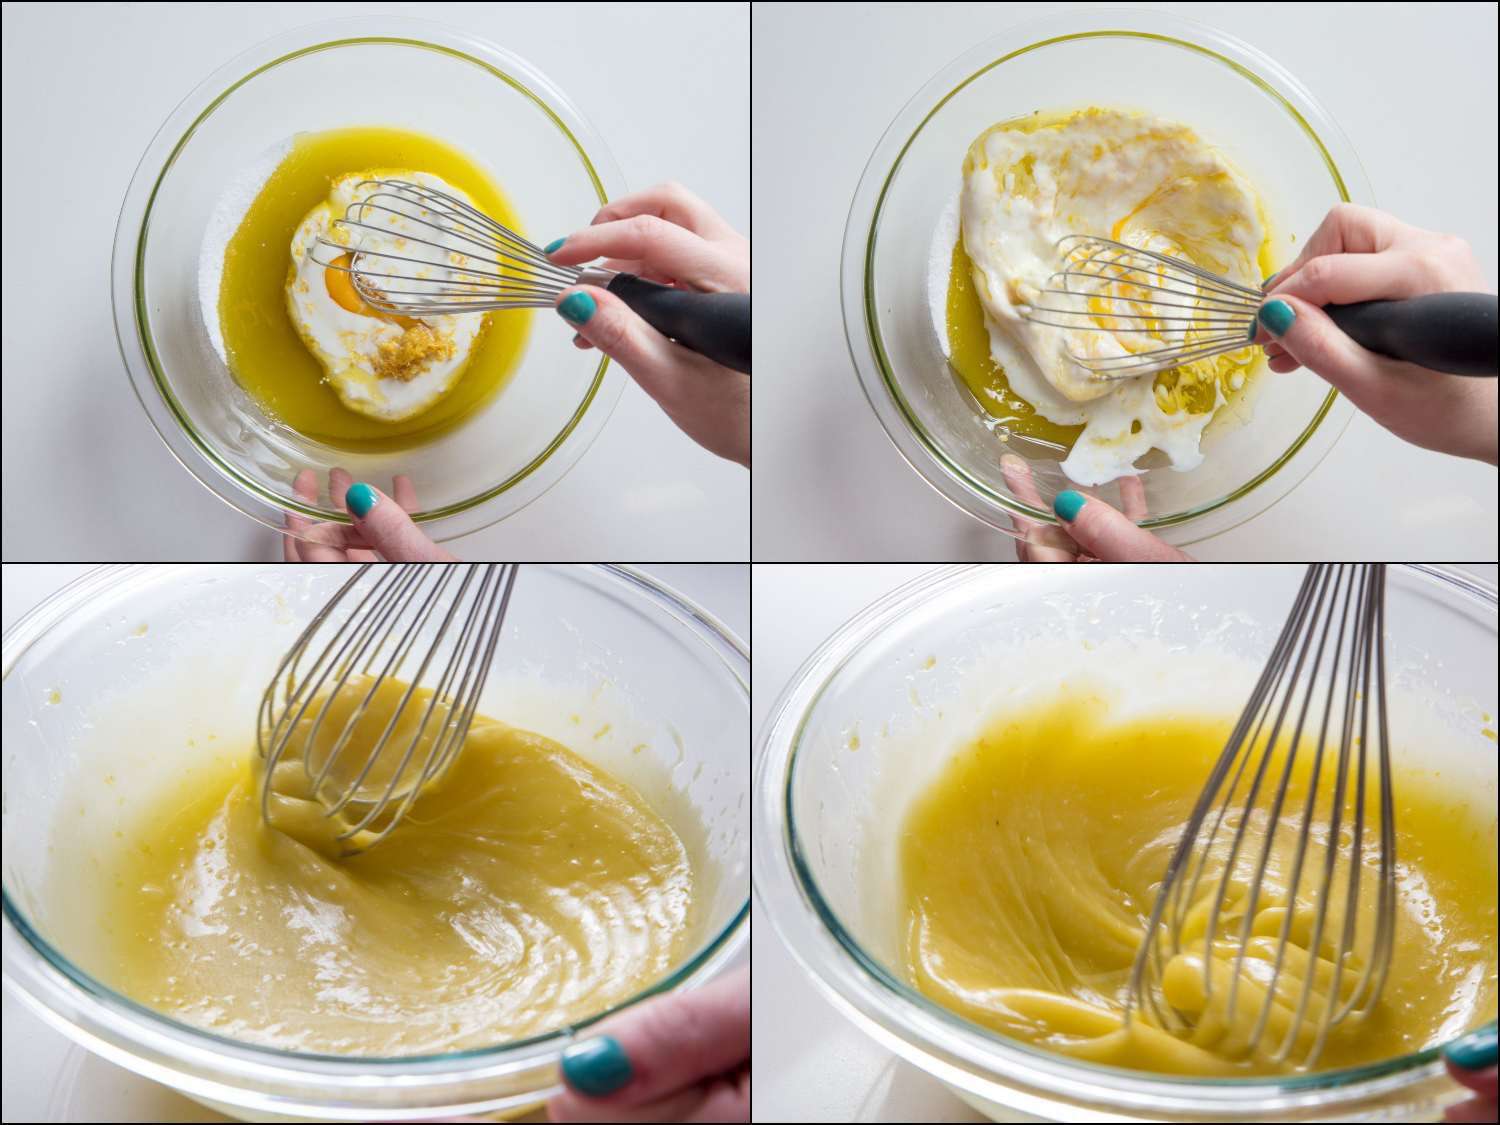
(254, 361)
(1173, 96)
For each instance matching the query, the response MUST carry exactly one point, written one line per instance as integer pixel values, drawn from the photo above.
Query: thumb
(1307, 335)
(1106, 534)
(386, 527)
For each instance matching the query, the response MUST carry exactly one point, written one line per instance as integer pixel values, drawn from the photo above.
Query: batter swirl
(527, 890)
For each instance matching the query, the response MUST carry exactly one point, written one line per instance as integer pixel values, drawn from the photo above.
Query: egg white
(348, 343)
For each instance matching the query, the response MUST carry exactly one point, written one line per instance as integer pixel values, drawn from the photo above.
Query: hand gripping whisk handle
(715, 325)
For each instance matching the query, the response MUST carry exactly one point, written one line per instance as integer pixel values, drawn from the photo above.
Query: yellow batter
(526, 890)
(1030, 866)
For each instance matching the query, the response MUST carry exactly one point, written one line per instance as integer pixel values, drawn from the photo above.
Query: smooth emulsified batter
(526, 890)
(1031, 864)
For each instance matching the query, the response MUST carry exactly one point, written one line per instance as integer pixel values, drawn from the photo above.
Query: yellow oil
(972, 361)
(265, 353)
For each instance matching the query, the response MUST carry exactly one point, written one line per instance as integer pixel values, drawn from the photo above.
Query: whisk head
(375, 697)
(1165, 311)
(1262, 948)
(453, 257)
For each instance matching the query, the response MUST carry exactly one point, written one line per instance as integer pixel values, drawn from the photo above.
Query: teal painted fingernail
(1277, 316)
(597, 1066)
(1067, 505)
(361, 498)
(554, 246)
(576, 308)
(1474, 1051)
(1254, 328)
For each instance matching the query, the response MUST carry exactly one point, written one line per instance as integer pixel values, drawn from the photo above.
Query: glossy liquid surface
(969, 355)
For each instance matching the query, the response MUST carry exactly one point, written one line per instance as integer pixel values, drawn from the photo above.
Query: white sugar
(940, 269)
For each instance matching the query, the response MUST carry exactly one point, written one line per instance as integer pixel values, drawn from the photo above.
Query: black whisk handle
(715, 325)
(1452, 332)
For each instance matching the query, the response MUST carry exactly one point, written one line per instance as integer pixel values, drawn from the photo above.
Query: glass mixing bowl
(111, 681)
(1260, 446)
(881, 706)
(486, 101)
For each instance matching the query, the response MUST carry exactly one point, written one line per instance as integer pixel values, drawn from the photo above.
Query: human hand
(1090, 531)
(381, 528)
(680, 1057)
(1471, 1063)
(1361, 254)
(667, 235)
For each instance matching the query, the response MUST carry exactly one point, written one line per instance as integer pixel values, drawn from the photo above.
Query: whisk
(1111, 287)
(1218, 928)
(496, 268)
(429, 631)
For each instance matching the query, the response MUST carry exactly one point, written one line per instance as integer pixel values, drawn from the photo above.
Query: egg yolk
(340, 285)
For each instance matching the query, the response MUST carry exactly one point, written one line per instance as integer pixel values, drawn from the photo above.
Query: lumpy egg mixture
(298, 336)
(385, 365)
(526, 889)
(1130, 177)
(1030, 865)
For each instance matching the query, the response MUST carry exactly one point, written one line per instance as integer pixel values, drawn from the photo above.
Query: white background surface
(1415, 90)
(46, 1076)
(811, 1064)
(85, 89)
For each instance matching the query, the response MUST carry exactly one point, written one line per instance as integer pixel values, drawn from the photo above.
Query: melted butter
(1031, 864)
(972, 361)
(526, 890)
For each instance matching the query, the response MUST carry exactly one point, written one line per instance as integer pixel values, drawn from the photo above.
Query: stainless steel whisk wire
(476, 264)
(399, 609)
(1211, 314)
(1223, 310)
(523, 277)
(1354, 598)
